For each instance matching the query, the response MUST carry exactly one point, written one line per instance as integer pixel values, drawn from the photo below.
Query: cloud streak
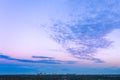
(44, 59)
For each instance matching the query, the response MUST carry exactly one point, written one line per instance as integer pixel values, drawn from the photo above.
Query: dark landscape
(59, 77)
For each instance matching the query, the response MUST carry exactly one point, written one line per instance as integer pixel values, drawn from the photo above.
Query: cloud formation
(83, 35)
(43, 59)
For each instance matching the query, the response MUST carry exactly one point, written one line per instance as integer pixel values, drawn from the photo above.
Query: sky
(59, 36)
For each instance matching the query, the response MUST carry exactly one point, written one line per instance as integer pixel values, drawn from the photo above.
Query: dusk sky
(60, 36)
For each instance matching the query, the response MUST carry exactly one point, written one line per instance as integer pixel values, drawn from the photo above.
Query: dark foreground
(59, 77)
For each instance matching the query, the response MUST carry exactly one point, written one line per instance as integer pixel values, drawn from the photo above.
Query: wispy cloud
(43, 59)
(85, 34)
(97, 60)
(30, 61)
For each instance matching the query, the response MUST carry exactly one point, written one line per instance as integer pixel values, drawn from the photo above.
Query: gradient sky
(60, 36)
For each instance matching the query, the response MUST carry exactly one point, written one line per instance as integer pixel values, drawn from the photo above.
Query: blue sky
(59, 36)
